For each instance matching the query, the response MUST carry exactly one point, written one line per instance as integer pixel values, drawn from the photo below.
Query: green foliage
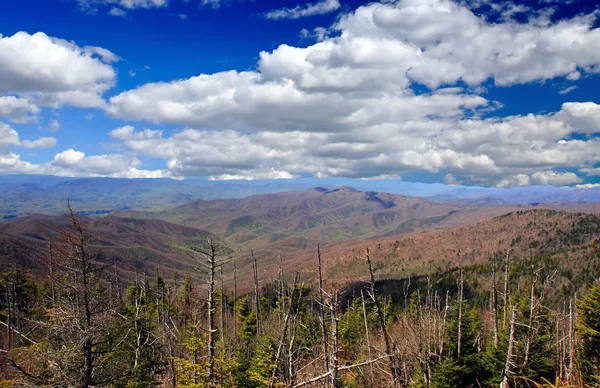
(192, 370)
(263, 363)
(464, 369)
(352, 326)
(588, 327)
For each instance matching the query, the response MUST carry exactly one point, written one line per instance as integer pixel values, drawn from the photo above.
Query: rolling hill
(297, 219)
(134, 245)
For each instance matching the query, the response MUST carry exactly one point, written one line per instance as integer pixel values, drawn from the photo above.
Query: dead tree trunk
(335, 334)
(256, 295)
(530, 328)
(362, 297)
(386, 337)
(234, 299)
(509, 353)
(506, 288)
(322, 311)
(494, 302)
(286, 323)
(460, 304)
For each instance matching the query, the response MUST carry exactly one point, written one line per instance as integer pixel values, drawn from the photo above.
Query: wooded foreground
(507, 324)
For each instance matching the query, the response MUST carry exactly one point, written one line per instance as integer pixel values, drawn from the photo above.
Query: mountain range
(29, 194)
(406, 234)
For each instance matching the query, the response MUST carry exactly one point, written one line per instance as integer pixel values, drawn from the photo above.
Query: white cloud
(114, 11)
(68, 158)
(348, 105)
(568, 90)
(54, 71)
(300, 11)
(10, 137)
(583, 116)
(450, 180)
(42, 142)
(54, 126)
(94, 5)
(349, 100)
(76, 163)
(587, 186)
(18, 110)
(215, 4)
(106, 55)
(555, 179)
(590, 171)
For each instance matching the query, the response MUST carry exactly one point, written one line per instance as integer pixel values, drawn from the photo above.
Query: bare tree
(494, 302)
(382, 324)
(212, 251)
(509, 353)
(322, 310)
(256, 294)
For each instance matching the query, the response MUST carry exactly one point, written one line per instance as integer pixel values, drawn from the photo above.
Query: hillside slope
(524, 234)
(134, 245)
(297, 219)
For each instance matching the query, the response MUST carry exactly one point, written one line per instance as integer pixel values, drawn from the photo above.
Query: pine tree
(588, 327)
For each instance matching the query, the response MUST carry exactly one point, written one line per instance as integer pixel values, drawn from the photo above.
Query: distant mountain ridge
(28, 194)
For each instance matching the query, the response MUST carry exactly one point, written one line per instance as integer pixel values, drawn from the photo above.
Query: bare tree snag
(256, 294)
(460, 305)
(509, 353)
(386, 337)
(506, 295)
(322, 310)
(494, 302)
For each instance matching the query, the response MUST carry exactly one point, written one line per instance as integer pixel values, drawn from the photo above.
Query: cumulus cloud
(584, 117)
(42, 142)
(348, 105)
(18, 110)
(55, 71)
(555, 179)
(300, 11)
(391, 88)
(76, 163)
(10, 137)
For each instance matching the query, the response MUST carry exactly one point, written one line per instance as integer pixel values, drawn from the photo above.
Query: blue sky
(475, 92)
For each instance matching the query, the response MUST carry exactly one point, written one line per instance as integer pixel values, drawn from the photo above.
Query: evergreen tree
(588, 327)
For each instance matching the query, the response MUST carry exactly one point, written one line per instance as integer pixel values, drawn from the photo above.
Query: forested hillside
(518, 311)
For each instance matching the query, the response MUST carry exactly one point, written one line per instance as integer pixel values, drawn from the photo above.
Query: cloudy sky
(476, 92)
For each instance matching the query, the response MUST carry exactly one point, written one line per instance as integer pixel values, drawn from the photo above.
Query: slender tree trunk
(460, 312)
(509, 353)
(530, 328)
(494, 302)
(223, 311)
(284, 332)
(335, 333)
(322, 310)
(234, 299)
(571, 337)
(506, 288)
(211, 264)
(362, 297)
(256, 295)
(443, 334)
(386, 337)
